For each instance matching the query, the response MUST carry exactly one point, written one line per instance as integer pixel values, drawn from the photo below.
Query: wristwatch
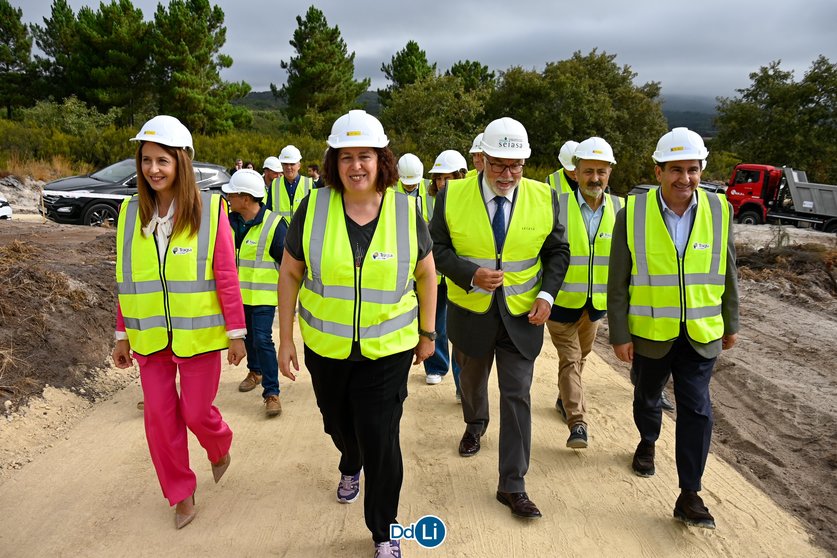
(429, 334)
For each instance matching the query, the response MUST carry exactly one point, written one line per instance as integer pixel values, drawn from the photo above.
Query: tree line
(117, 63)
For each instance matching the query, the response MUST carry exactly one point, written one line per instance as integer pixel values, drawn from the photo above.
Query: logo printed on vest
(381, 256)
(250, 242)
(605, 235)
(527, 228)
(178, 251)
(700, 246)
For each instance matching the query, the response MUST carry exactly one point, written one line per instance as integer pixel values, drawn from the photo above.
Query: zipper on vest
(681, 272)
(161, 268)
(356, 309)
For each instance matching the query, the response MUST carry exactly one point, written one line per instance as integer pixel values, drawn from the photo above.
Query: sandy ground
(90, 489)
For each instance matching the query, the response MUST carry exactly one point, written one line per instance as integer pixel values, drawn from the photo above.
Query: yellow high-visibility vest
(425, 200)
(281, 201)
(558, 181)
(373, 303)
(532, 220)
(175, 298)
(587, 273)
(258, 272)
(667, 290)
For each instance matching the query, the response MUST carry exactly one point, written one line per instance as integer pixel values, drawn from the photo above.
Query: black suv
(94, 199)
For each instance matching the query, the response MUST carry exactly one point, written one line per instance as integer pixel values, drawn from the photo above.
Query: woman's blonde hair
(187, 197)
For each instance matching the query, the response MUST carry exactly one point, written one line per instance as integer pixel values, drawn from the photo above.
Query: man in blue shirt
(588, 215)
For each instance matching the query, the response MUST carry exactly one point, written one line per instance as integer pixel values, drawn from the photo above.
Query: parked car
(94, 199)
(5, 208)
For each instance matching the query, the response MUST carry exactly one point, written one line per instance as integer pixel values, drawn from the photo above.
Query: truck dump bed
(810, 197)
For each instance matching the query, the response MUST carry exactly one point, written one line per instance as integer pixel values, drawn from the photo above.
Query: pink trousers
(168, 414)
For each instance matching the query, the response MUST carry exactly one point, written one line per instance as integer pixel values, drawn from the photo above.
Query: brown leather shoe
(219, 468)
(272, 406)
(250, 382)
(690, 510)
(643, 462)
(469, 445)
(520, 504)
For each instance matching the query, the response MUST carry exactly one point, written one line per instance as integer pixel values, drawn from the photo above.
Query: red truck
(767, 194)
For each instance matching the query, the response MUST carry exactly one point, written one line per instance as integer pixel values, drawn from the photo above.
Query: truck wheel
(100, 215)
(750, 218)
(831, 226)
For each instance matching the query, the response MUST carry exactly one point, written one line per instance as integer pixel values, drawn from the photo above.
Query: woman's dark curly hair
(387, 169)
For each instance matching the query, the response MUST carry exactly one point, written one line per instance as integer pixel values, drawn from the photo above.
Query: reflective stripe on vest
(587, 273)
(558, 182)
(176, 297)
(374, 303)
(424, 200)
(258, 272)
(667, 290)
(532, 220)
(281, 201)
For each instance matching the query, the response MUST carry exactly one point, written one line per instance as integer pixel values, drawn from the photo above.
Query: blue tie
(498, 224)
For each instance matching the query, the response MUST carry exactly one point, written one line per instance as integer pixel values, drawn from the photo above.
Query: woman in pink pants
(179, 306)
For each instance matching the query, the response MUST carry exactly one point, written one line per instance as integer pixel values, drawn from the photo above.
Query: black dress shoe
(469, 445)
(690, 510)
(643, 462)
(520, 504)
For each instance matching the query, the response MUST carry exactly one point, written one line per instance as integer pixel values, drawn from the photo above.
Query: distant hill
(694, 112)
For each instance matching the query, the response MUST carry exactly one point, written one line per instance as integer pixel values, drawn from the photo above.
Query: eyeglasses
(500, 168)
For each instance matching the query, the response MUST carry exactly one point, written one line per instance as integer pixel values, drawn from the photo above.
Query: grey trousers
(514, 377)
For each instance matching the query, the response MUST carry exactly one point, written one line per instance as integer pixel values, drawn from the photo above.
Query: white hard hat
(449, 161)
(290, 154)
(595, 149)
(245, 181)
(410, 169)
(357, 129)
(680, 144)
(167, 130)
(566, 155)
(475, 147)
(273, 164)
(506, 138)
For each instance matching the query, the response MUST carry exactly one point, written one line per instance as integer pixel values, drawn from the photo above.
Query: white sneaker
(434, 379)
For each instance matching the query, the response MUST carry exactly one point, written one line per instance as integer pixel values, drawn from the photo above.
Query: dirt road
(93, 492)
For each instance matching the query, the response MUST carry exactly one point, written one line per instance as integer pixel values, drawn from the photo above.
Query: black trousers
(691, 374)
(361, 403)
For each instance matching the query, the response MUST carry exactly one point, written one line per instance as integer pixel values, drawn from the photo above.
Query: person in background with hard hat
(449, 165)
(497, 239)
(179, 306)
(672, 299)
(259, 245)
(476, 157)
(288, 191)
(358, 254)
(271, 170)
(563, 180)
(412, 183)
(588, 215)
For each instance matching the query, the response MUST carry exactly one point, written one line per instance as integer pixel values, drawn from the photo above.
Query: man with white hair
(497, 239)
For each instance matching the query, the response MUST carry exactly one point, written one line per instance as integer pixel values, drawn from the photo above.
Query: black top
(360, 236)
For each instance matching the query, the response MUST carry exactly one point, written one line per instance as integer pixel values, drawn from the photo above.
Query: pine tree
(15, 57)
(57, 39)
(185, 43)
(320, 85)
(407, 66)
(473, 74)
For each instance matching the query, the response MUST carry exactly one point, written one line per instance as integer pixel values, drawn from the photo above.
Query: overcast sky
(703, 48)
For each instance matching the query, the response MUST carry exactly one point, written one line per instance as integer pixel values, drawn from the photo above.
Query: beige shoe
(250, 382)
(181, 520)
(219, 468)
(272, 406)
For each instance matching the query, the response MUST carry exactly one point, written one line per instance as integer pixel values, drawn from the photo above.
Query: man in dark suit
(497, 239)
(673, 306)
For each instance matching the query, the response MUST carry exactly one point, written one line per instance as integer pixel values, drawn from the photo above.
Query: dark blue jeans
(440, 361)
(261, 353)
(693, 431)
